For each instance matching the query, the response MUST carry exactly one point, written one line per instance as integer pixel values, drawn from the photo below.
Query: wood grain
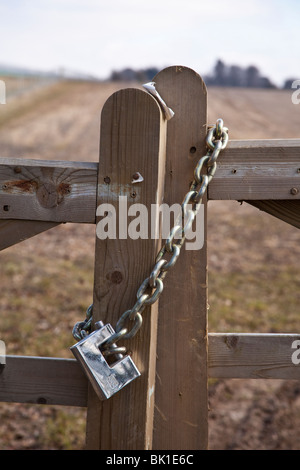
(43, 380)
(259, 356)
(16, 231)
(286, 210)
(133, 139)
(257, 170)
(181, 385)
(55, 381)
(50, 191)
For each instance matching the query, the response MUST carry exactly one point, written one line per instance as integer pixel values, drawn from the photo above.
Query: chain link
(152, 287)
(83, 328)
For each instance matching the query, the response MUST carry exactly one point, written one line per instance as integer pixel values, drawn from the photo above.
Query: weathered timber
(56, 381)
(43, 380)
(258, 356)
(133, 140)
(16, 231)
(181, 409)
(49, 191)
(258, 170)
(286, 210)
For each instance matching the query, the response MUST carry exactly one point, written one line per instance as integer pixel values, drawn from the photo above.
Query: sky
(98, 36)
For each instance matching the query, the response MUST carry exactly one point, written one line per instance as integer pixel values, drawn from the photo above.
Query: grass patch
(264, 301)
(42, 299)
(21, 106)
(64, 430)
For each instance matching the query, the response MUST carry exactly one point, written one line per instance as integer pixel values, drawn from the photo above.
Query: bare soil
(62, 122)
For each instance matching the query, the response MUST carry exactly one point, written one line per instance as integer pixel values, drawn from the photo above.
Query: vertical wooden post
(133, 140)
(181, 387)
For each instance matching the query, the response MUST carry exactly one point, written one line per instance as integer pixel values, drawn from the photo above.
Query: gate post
(181, 408)
(133, 140)
(180, 353)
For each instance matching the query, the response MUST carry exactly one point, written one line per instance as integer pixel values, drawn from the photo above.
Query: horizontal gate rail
(55, 381)
(43, 380)
(51, 191)
(253, 356)
(36, 195)
(258, 170)
(65, 191)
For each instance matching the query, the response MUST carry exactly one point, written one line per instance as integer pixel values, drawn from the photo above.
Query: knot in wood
(115, 277)
(48, 196)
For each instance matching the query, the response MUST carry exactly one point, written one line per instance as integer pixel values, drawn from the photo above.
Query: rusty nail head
(107, 179)
(294, 191)
(137, 177)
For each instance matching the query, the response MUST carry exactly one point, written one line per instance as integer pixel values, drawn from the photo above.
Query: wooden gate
(167, 407)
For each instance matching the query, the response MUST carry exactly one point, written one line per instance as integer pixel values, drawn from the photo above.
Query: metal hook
(150, 87)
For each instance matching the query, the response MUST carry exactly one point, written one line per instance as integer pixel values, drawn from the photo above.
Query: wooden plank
(43, 380)
(256, 356)
(288, 211)
(56, 381)
(133, 138)
(16, 231)
(258, 170)
(181, 386)
(49, 191)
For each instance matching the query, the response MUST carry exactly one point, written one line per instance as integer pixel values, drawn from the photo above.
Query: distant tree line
(288, 83)
(129, 75)
(236, 76)
(222, 75)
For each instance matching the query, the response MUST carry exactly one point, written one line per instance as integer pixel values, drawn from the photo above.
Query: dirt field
(253, 269)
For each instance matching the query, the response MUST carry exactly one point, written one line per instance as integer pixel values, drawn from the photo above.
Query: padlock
(106, 379)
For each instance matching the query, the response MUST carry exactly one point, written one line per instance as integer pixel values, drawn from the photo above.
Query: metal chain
(152, 287)
(83, 328)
